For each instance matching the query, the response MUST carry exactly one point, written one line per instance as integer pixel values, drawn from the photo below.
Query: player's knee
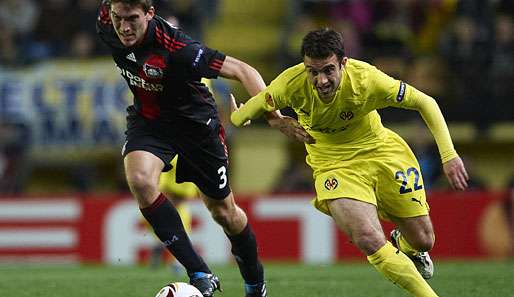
(221, 215)
(140, 183)
(230, 218)
(425, 242)
(368, 241)
(422, 241)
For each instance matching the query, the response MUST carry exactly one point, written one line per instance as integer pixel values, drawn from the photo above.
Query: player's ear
(150, 13)
(343, 61)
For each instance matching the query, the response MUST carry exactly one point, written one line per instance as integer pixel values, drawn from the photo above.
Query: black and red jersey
(164, 72)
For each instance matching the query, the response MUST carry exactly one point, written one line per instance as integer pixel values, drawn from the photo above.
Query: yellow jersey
(351, 119)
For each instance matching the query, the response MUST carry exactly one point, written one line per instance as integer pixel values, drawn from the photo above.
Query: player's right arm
(250, 78)
(252, 109)
(261, 103)
(268, 99)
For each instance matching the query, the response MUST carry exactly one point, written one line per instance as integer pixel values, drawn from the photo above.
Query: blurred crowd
(35, 31)
(460, 52)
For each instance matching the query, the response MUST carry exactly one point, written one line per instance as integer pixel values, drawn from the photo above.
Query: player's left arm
(250, 78)
(258, 105)
(396, 93)
(453, 166)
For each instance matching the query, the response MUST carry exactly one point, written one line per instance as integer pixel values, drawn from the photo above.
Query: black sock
(168, 226)
(244, 249)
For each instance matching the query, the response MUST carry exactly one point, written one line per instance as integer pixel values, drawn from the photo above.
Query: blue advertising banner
(67, 103)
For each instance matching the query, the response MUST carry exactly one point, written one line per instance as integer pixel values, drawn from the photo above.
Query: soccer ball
(178, 289)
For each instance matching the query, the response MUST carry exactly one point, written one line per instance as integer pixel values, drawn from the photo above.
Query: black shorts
(202, 154)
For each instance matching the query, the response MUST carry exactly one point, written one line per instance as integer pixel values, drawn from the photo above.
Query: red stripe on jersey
(221, 135)
(170, 47)
(150, 74)
(167, 37)
(216, 64)
(149, 100)
(149, 107)
(169, 43)
(219, 61)
(166, 46)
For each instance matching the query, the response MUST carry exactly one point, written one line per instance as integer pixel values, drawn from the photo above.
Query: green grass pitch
(468, 279)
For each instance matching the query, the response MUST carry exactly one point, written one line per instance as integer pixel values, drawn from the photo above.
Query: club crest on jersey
(154, 67)
(153, 72)
(331, 183)
(346, 115)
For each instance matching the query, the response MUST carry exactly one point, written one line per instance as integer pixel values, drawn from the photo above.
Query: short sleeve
(207, 62)
(198, 61)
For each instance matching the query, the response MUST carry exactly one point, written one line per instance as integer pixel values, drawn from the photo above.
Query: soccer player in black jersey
(175, 114)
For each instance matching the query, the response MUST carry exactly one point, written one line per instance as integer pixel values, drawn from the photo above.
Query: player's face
(130, 22)
(325, 74)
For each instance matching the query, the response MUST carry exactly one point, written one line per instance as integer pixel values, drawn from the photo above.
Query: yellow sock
(399, 269)
(185, 216)
(405, 247)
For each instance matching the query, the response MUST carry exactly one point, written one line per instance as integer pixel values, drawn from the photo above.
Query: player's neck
(327, 100)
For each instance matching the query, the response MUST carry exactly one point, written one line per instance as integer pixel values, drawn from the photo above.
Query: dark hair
(145, 4)
(322, 43)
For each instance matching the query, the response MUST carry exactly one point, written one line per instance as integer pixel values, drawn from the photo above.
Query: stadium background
(62, 109)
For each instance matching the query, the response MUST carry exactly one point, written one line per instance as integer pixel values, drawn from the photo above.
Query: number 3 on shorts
(222, 171)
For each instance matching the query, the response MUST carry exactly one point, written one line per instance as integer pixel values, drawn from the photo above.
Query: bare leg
(244, 244)
(359, 220)
(226, 213)
(418, 232)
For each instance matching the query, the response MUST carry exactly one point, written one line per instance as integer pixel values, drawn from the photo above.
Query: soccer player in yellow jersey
(362, 170)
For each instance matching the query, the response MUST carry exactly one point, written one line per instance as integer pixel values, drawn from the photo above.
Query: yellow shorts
(387, 176)
(168, 184)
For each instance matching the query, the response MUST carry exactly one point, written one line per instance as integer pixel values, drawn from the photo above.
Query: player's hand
(290, 127)
(456, 174)
(234, 108)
